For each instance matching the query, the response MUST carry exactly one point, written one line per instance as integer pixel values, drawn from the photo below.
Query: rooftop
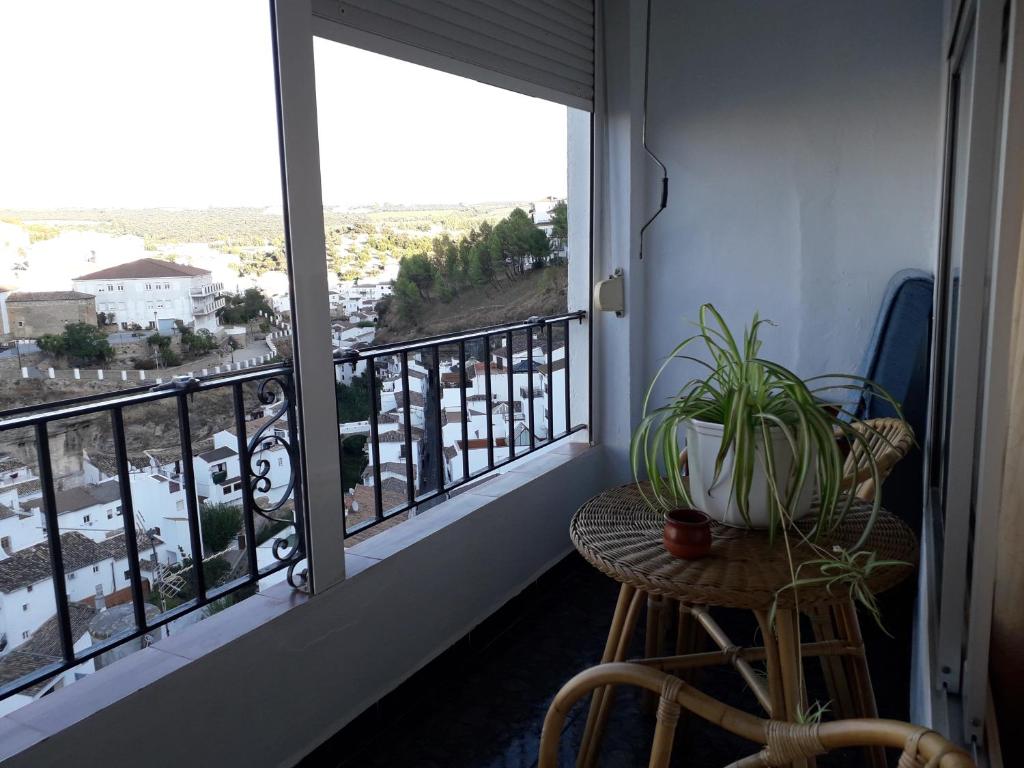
(23, 297)
(83, 496)
(143, 268)
(218, 454)
(32, 564)
(43, 648)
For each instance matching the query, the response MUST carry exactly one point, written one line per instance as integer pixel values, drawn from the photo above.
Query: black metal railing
(429, 482)
(273, 389)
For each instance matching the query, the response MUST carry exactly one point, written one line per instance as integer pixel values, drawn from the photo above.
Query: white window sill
(254, 642)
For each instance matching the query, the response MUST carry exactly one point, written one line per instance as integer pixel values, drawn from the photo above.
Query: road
(254, 349)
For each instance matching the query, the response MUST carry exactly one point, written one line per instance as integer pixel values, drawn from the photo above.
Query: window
(110, 287)
(179, 505)
(226, 490)
(28, 588)
(24, 635)
(110, 515)
(149, 286)
(71, 576)
(24, 606)
(158, 286)
(95, 569)
(120, 287)
(127, 575)
(5, 543)
(118, 509)
(167, 286)
(87, 519)
(21, 323)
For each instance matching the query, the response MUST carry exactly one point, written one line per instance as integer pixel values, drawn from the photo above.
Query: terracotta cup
(687, 534)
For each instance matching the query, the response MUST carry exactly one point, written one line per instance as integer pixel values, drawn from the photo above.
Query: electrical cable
(664, 171)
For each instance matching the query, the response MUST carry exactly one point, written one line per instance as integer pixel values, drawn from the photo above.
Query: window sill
(409, 593)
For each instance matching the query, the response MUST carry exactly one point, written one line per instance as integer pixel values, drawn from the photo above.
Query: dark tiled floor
(482, 703)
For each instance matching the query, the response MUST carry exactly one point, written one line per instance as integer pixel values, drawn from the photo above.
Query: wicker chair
(784, 743)
(888, 441)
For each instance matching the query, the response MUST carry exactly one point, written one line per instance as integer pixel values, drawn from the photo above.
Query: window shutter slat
(543, 47)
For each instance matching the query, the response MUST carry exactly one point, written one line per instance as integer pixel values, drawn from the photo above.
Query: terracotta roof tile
(44, 648)
(141, 268)
(22, 297)
(32, 564)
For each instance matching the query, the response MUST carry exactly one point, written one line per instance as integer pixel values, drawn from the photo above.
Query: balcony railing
(428, 480)
(273, 388)
(480, 368)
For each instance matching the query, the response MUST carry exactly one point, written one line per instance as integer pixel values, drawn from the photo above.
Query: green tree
(353, 399)
(219, 524)
(560, 221)
(240, 309)
(419, 270)
(198, 342)
(407, 298)
(80, 343)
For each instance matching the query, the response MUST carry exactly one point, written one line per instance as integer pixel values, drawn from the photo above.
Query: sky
(134, 103)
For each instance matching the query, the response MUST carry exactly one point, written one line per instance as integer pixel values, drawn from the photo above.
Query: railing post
(319, 445)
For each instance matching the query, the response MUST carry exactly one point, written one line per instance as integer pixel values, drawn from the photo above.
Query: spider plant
(755, 401)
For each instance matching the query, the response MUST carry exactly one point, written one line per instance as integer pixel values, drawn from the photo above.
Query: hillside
(536, 292)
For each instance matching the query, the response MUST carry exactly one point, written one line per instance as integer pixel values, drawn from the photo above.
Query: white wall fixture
(609, 295)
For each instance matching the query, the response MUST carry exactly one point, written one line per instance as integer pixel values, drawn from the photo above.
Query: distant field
(247, 226)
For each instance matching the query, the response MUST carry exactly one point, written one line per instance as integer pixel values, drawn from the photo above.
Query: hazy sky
(134, 103)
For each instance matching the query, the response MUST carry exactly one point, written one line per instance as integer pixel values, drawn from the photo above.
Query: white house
(148, 291)
(42, 648)
(91, 568)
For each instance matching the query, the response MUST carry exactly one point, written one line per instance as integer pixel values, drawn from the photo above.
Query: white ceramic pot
(703, 441)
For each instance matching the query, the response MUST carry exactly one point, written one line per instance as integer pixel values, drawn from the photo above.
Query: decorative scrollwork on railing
(277, 391)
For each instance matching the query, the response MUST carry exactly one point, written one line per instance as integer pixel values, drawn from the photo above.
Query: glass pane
(141, 238)
(445, 204)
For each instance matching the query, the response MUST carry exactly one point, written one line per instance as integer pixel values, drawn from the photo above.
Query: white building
(154, 293)
(92, 569)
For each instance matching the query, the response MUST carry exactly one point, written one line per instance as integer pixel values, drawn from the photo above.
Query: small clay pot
(687, 534)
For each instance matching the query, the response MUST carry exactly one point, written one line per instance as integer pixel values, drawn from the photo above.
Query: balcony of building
(428, 609)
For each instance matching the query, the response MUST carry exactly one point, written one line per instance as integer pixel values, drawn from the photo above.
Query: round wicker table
(621, 535)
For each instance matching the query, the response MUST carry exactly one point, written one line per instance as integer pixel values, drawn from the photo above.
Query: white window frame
(956, 632)
(294, 26)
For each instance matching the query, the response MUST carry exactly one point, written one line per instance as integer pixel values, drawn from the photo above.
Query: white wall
(802, 145)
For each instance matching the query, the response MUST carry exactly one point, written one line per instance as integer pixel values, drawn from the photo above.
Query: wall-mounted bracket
(610, 294)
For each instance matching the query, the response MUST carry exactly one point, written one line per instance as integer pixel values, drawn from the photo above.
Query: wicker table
(620, 535)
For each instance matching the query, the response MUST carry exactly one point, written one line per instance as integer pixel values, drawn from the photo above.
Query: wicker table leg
(771, 657)
(656, 605)
(627, 610)
(831, 665)
(787, 634)
(858, 675)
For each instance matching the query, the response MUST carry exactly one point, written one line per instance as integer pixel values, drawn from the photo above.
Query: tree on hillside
(198, 342)
(238, 310)
(78, 343)
(559, 221)
(353, 399)
(219, 524)
(521, 239)
(451, 266)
